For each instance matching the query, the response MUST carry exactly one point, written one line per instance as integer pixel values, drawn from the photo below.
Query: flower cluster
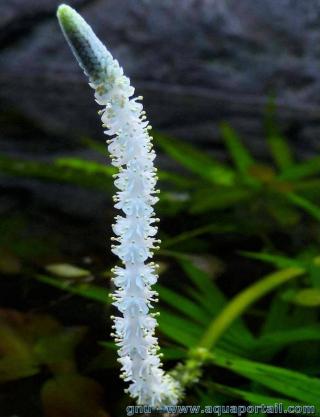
(131, 151)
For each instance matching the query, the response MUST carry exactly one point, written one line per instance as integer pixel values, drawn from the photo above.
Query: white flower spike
(131, 151)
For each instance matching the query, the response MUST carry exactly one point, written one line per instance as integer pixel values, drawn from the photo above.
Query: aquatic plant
(131, 152)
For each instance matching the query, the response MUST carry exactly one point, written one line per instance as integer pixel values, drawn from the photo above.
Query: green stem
(242, 301)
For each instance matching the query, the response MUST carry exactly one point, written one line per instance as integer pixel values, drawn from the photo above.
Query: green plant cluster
(257, 343)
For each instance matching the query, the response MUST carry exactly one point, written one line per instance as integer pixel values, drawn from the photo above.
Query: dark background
(195, 62)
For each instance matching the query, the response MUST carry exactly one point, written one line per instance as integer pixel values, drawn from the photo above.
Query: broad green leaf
(57, 350)
(72, 395)
(12, 340)
(13, 368)
(29, 341)
(16, 355)
(196, 161)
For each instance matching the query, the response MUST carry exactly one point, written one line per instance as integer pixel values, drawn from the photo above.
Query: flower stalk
(134, 242)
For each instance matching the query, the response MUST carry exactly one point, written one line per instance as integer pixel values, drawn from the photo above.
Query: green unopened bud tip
(86, 47)
(64, 10)
(65, 13)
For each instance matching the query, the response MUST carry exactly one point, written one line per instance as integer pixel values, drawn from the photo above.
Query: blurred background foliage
(239, 275)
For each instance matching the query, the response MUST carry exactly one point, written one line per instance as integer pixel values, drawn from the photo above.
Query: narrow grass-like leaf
(213, 301)
(211, 297)
(212, 397)
(242, 301)
(283, 212)
(308, 188)
(280, 261)
(240, 155)
(90, 167)
(289, 383)
(276, 260)
(86, 290)
(196, 161)
(53, 172)
(219, 198)
(302, 170)
(95, 145)
(183, 304)
(251, 397)
(278, 144)
(273, 342)
(174, 178)
(173, 353)
(280, 151)
(208, 228)
(175, 327)
(277, 318)
(304, 204)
